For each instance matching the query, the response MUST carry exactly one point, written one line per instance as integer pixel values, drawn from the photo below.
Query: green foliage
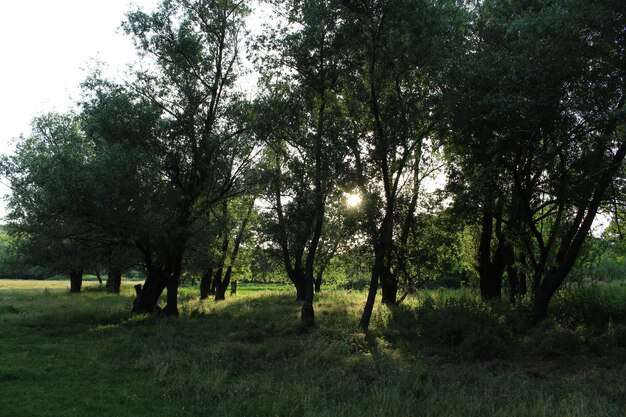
(13, 264)
(463, 323)
(591, 305)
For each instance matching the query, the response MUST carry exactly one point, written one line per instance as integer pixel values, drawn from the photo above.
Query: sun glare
(353, 199)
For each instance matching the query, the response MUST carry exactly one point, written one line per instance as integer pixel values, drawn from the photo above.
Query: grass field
(442, 354)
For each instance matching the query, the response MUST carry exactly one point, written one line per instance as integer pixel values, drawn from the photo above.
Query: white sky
(46, 46)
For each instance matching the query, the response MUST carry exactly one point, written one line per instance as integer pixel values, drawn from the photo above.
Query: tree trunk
(233, 287)
(148, 295)
(297, 278)
(114, 280)
(76, 280)
(173, 280)
(98, 276)
(318, 281)
(491, 270)
(388, 286)
(544, 294)
(206, 283)
(171, 308)
(222, 285)
(371, 295)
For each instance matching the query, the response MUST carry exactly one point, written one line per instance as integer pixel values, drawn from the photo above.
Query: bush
(464, 324)
(590, 305)
(552, 339)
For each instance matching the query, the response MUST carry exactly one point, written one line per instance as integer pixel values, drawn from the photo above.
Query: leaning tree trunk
(380, 249)
(388, 281)
(571, 244)
(371, 295)
(114, 280)
(76, 280)
(148, 295)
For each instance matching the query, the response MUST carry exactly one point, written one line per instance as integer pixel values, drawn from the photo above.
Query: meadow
(442, 353)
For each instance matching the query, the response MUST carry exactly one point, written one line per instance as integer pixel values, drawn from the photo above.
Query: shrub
(590, 305)
(465, 324)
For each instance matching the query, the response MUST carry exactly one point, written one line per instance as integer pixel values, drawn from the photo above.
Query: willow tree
(52, 210)
(198, 148)
(397, 48)
(303, 67)
(537, 146)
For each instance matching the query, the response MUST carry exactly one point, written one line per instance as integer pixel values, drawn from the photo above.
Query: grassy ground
(444, 354)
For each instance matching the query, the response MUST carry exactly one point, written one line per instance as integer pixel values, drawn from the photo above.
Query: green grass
(82, 354)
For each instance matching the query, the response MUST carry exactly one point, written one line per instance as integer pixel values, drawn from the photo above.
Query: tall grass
(83, 354)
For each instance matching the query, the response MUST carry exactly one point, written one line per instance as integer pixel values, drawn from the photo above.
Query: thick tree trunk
(222, 285)
(76, 280)
(114, 280)
(544, 294)
(173, 280)
(206, 283)
(297, 278)
(491, 282)
(148, 295)
(491, 270)
(388, 286)
(171, 308)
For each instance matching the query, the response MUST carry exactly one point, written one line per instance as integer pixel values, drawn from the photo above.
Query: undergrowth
(443, 353)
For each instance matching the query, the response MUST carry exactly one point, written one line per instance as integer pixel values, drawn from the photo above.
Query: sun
(353, 199)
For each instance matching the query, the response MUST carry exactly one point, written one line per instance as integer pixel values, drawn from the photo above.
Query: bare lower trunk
(318, 282)
(389, 287)
(114, 280)
(222, 285)
(205, 284)
(148, 295)
(371, 295)
(171, 308)
(76, 280)
(297, 279)
(544, 294)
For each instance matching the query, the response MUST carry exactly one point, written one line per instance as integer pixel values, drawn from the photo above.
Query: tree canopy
(516, 106)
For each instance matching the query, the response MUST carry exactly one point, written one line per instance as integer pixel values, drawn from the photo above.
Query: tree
(53, 192)
(397, 47)
(218, 254)
(537, 146)
(306, 139)
(199, 148)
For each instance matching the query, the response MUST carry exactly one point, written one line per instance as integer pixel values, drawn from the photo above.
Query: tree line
(518, 105)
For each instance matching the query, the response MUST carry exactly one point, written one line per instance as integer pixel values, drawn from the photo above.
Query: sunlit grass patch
(250, 356)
